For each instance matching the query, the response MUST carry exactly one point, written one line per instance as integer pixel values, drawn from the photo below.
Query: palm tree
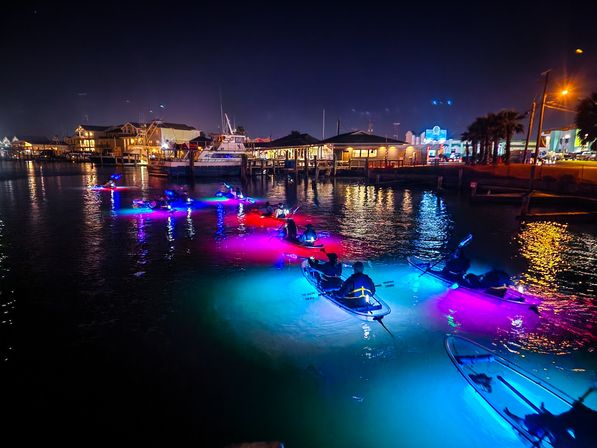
(496, 133)
(509, 120)
(586, 120)
(483, 127)
(466, 137)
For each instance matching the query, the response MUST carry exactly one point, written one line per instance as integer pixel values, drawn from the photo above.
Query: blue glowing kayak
(375, 309)
(509, 294)
(530, 405)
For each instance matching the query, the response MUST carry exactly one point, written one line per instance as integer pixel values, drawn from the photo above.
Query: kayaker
(110, 184)
(281, 211)
(457, 265)
(329, 272)
(289, 231)
(573, 428)
(309, 235)
(358, 287)
(238, 193)
(268, 210)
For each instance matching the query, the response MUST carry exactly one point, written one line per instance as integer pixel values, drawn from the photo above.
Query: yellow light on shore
(564, 92)
(579, 51)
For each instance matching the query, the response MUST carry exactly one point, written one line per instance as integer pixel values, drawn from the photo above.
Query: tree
(586, 120)
(466, 137)
(496, 133)
(509, 121)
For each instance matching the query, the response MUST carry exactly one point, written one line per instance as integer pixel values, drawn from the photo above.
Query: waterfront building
(37, 147)
(562, 141)
(294, 145)
(355, 148)
(131, 141)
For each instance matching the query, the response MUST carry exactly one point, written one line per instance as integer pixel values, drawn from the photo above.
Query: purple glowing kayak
(508, 294)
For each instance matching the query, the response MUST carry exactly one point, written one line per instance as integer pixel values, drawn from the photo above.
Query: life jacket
(362, 285)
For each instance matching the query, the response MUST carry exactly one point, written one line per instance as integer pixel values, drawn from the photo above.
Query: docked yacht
(222, 158)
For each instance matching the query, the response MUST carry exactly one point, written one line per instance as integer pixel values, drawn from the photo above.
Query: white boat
(169, 167)
(223, 157)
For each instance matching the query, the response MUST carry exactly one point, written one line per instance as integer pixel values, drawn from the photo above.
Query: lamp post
(539, 129)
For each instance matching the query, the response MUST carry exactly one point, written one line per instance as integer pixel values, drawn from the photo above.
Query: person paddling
(328, 272)
(309, 236)
(358, 288)
(289, 231)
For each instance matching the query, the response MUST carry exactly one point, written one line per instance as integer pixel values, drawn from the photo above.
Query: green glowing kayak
(542, 415)
(374, 309)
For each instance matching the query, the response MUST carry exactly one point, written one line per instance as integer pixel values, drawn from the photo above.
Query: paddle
(462, 244)
(379, 319)
(589, 391)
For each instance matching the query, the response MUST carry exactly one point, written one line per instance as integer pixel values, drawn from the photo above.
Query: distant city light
(579, 51)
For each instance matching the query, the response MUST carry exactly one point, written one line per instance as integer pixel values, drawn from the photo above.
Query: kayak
(254, 218)
(162, 205)
(318, 246)
(102, 188)
(510, 390)
(375, 309)
(509, 294)
(228, 201)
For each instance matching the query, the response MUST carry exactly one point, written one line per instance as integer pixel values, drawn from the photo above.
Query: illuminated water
(119, 324)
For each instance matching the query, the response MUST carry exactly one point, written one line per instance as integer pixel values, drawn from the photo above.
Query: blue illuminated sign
(436, 134)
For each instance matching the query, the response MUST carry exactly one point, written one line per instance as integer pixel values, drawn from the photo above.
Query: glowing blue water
(142, 330)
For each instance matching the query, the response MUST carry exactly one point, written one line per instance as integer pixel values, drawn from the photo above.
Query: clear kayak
(375, 309)
(541, 414)
(506, 294)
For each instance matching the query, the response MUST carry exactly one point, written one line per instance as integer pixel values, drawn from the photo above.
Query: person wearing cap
(358, 288)
(309, 236)
(329, 271)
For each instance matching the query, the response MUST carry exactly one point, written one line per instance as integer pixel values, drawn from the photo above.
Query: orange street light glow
(579, 51)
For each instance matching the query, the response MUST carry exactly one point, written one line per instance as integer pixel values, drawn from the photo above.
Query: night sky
(279, 65)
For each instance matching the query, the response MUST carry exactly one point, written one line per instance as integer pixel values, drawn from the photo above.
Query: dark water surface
(124, 325)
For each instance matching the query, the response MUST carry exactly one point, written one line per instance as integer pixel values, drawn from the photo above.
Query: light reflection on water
(7, 303)
(141, 271)
(561, 270)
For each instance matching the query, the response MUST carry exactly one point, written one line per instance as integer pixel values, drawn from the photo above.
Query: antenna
(323, 126)
(221, 112)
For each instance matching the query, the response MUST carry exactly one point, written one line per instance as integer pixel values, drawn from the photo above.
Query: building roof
(360, 138)
(295, 138)
(181, 127)
(39, 140)
(202, 139)
(89, 127)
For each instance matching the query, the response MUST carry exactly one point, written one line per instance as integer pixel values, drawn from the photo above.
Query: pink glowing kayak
(508, 294)
(374, 309)
(541, 414)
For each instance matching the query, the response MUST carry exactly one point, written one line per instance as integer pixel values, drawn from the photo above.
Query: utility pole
(539, 129)
(323, 126)
(529, 130)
